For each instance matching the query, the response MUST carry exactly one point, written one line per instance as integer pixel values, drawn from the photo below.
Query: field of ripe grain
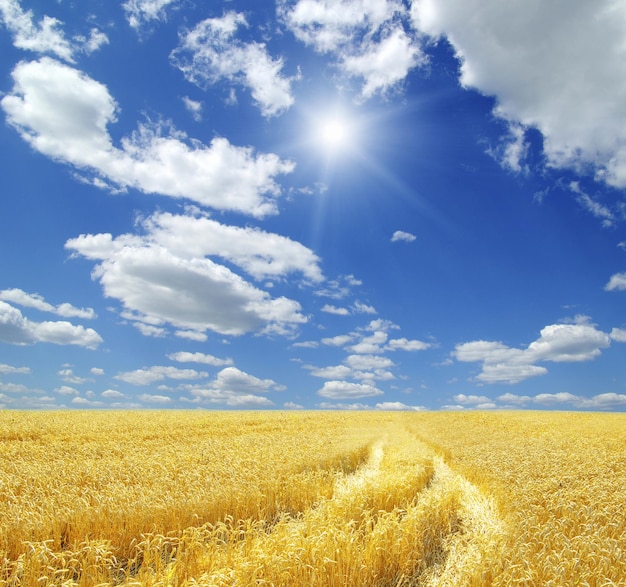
(312, 498)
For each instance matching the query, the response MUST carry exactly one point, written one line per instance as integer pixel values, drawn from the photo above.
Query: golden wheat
(311, 499)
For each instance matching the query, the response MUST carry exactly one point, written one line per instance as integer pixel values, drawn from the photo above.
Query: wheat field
(312, 498)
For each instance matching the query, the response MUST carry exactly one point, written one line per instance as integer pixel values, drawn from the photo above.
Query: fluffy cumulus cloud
(17, 296)
(166, 275)
(64, 114)
(235, 388)
(211, 52)
(401, 235)
(522, 53)
(15, 328)
(574, 342)
(338, 390)
(366, 362)
(156, 373)
(47, 35)
(186, 357)
(370, 39)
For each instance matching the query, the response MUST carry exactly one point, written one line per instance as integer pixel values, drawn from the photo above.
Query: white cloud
(156, 373)
(140, 12)
(96, 371)
(191, 335)
(398, 406)
(155, 399)
(335, 372)
(64, 114)
(231, 399)
(511, 398)
(403, 344)
(617, 282)
(368, 38)
(600, 211)
(368, 362)
(342, 406)
(236, 388)
(263, 255)
(361, 308)
(112, 394)
(618, 334)
(384, 64)
(400, 235)
(340, 340)
(10, 370)
(17, 296)
(46, 37)
(67, 390)
(338, 289)
(70, 377)
(370, 344)
(194, 294)
(194, 107)
(210, 53)
(233, 380)
(575, 342)
(555, 66)
(330, 309)
(87, 403)
(330, 24)
(345, 390)
(461, 398)
(602, 401)
(185, 357)
(17, 329)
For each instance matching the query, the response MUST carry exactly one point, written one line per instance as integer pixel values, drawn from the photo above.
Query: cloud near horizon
(576, 342)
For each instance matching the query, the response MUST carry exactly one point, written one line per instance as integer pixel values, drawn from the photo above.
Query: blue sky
(336, 204)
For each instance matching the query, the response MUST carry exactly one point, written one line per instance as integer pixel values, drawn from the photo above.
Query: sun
(334, 132)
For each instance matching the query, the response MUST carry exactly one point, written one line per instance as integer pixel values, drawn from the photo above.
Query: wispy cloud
(210, 53)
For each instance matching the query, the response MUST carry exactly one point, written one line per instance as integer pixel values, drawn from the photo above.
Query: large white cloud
(64, 114)
(196, 294)
(263, 255)
(210, 52)
(165, 275)
(575, 342)
(557, 66)
(17, 329)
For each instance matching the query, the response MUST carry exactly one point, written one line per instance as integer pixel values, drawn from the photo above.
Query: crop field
(312, 498)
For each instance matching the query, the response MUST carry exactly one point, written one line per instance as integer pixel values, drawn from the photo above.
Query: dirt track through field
(477, 532)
